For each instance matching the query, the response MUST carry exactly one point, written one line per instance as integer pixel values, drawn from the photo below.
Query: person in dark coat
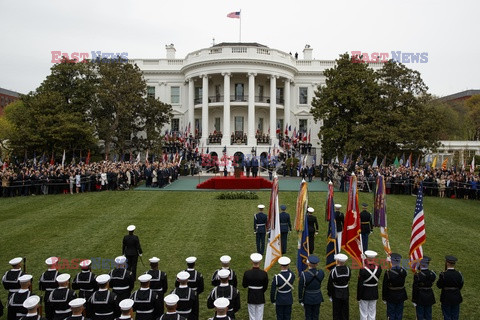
(281, 294)
(126, 307)
(312, 229)
(171, 302)
(260, 228)
(56, 306)
(158, 283)
(10, 278)
(366, 225)
(132, 249)
(285, 227)
(196, 282)
(451, 282)
(147, 304)
(48, 279)
(188, 299)
(254, 165)
(84, 281)
(221, 309)
(422, 294)
(337, 288)
(309, 288)
(232, 279)
(121, 279)
(225, 290)
(103, 303)
(256, 280)
(393, 289)
(15, 303)
(367, 287)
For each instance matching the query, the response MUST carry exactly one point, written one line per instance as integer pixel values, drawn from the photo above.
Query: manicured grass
(175, 225)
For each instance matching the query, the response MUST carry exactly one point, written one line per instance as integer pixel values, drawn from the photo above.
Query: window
(260, 93)
(302, 125)
(217, 93)
(198, 127)
(175, 94)
(303, 95)
(217, 124)
(239, 93)
(280, 96)
(260, 125)
(239, 125)
(175, 125)
(198, 95)
(151, 92)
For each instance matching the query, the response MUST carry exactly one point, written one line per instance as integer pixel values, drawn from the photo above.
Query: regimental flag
(444, 164)
(402, 159)
(87, 161)
(351, 241)
(52, 160)
(332, 230)
(274, 249)
(234, 15)
(384, 162)
(138, 158)
(345, 159)
(418, 236)
(472, 166)
(434, 163)
(34, 160)
(410, 160)
(63, 158)
(380, 214)
(375, 165)
(417, 163)
(301, 227)
(396, 163)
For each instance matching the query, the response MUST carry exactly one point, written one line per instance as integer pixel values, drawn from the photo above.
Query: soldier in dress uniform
(309, 288)
(171, 301)
(366, 225)
(232, 279)
(48, 280)
(147, 305)
(225, 290)
(15, 303)
(393, 289)
(451, 282)
(188, 300)
(339, 220)
(126, 306)
(281, 291)
(367, 287)
(259, 228)
(84, 281)
(103, 304)
(312, 229)
(56, 305)
(132, 249)
(32, 304)
(221, 309)
(77, 306)
(337, 288)
(422, 294)
(285, 227)
(256, 280)
(158, 283)
(195, 282)
(10, 278)
(121, 279)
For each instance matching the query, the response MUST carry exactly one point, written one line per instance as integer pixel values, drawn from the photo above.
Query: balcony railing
(238, 98)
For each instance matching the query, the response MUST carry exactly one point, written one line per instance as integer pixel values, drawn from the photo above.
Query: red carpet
(235, 183)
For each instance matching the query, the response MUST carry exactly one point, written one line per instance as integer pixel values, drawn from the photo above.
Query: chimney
(170, 51)
(307, 53)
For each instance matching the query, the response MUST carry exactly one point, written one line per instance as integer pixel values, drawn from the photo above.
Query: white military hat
(370, 254)
(310, 209)
(223, 273)
(15, 261)
(154, 260)
(31, 302)
(51, 261)
(126, 304)
(283, 261)
(191, 259)
(64, 277)
(221, 303)
(85, 263)
(261, 206)
(341, 257)
(338, 206)
(171, 299)
(25, 278)
(120, 260)
(103, 278)
(225, 259)
(145, 277)
(131, 227)
(256, 257)
(183, 275)
(75, 303)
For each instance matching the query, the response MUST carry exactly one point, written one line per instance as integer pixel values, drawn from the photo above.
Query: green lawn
(175, 225)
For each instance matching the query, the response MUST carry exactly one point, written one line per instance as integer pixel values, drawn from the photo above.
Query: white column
(226, 109)
(251, 109)
(204, 109)
(273, 109)
(191, 105)
(286, 118)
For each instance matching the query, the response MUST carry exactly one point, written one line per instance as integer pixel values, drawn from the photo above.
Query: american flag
(418, 230)
(235, 15)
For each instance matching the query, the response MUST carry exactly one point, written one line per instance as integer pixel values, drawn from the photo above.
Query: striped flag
(234, 14)
(274, 249)
(472, 165)
(444, 164)
(418, 236)
(351, 241)
(332, 230)
(380, 214)
(301, 227)
(63, 158)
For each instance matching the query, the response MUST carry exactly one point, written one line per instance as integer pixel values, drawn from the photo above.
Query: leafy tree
(473, 105)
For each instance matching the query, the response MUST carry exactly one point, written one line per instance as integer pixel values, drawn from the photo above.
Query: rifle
(25, 264)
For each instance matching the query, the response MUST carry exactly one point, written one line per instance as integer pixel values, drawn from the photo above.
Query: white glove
(140, 254)
(301, 303)
(330, 299)
(384, 302)
(274, 303)
(414, 304)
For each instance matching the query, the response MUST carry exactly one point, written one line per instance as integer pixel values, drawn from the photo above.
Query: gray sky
(448, 30)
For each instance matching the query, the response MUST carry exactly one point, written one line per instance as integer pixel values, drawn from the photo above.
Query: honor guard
(225, 290)
(132, 249)
(451, 282)
(121, 279)
(158, 283)
(32, 305)
(126, 306)
(146, 303)
(84, 281)
(393, 289)
(366, 225)
(339, 220)
(15, 303)
(10, 278)
(256, 280)
(56, 305)
(259, 228)
(48, 280)
(103, 304)
(171, 305)
(422, 294)
(337, 288)
(309, 288)
(367, 287)
(221, 309)
(225, 260)
(188, 299)
(281, 291)
(312, 229)
(77, 306)
(285, 227)
(195, 281)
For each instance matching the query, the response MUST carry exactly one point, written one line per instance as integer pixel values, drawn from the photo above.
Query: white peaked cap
(103, 278)
(75, 303)
(223, 273)
(145, 277)
(25, 278)
(64, 277)
(225, 259)
(15, 261)
(370, 254)
(154, 260)
(221, 303)
(183, 275)
(256, 257)
(171, 299)
(31, 302)
(283, 261)
(131, 227)
(126, 304)
(191, 259)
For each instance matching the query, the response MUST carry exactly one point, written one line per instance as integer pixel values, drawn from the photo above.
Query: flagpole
(240, 32)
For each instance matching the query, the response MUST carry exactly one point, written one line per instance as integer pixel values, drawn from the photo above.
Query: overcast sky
(449, 31)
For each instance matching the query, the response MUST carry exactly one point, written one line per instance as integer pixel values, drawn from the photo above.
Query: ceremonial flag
(410, 160)
(345, 159)
(402, 160)
(332, 230)
(130, 157)
(146, 157)
(472, 166)
(63, 158)
(87, 161)
(384, 162)
(301, 227)
(434, 163)
(417, 163)
(396, 163)
(138, 158)
(375, 165)
(278, 128)
(274, 249)
(380, 214)
(351, 241)
(444, 164)
(286, 129)
(34, 160)
(418, 236)
(234, 15)
(52, 161)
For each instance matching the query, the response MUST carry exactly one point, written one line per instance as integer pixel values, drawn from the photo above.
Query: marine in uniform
(103, 304)
(422, 294)
(225, 290)
(126, 306)
(84, 281)
(337, 288)
(48, 280)
(281, 290)
(147, 305)
(195, 282)
(56, 305)
(232, 279)
(256, 280)
(132, 249)
(10, 278)
(309, 288)
(32, 304)
(77, 306)
(171, 301)
(260, 228)
(121, 279)
(221, 309)
(188, 300)
(158, 283)
(312, 229)
(366, 225)
(367, 287)
(393, 289)
(451, 282)
(285, 227)
(15, 303)
(339, 220)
